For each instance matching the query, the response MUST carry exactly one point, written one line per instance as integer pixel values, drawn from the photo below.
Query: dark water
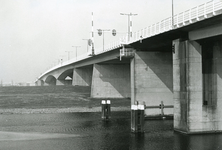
(86, 131)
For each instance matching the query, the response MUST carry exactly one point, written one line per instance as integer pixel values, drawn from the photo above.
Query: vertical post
(162, 107)
(103, 39)
(137, 118)
(129, 25)
(106, 109)
(134, 109)
(132, 80)
(172, 16)
(92, 37)
(103, 103)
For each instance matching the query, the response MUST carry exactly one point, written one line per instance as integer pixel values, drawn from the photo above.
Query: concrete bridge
(178, 62)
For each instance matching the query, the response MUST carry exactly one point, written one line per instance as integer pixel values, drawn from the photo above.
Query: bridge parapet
(198, 13)
(195, 14)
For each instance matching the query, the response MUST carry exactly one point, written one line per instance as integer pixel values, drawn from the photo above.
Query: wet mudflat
(83, 130)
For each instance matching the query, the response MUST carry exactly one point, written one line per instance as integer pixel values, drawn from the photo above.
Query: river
(87, 131)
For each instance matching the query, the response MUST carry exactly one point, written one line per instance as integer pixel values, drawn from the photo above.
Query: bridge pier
(197, 72)
(63, 82)
(82, 76)
(151, 80)
(40, 83)
(110, 81)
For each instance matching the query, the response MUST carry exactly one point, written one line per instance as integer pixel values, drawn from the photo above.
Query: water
(86, 131)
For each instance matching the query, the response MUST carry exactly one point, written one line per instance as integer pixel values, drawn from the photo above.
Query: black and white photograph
(110, 74)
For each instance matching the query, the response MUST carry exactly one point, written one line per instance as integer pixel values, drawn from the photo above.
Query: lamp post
(68, 54)
(87, 43)
(129, 24)
(172, 16)
(101, 32)
(76, 50)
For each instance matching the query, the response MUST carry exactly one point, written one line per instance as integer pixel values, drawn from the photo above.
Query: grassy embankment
(53, 99)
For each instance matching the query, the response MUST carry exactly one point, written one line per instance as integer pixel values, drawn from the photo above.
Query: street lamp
(129, 24)
(76, 50)
(68, 54)
(101, 32)
(172, 16)
(87, 43)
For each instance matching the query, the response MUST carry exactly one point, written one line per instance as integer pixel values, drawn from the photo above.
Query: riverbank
(53, 99)
(58, 110)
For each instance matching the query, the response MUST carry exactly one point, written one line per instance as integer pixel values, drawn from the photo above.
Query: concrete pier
(82, 76)
(110, 81)
(151, 80)
(197, 86)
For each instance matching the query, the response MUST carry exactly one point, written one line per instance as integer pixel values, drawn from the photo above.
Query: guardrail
(161, 106)
(203, 11)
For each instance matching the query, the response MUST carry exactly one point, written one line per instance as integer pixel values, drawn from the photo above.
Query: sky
(36, 34)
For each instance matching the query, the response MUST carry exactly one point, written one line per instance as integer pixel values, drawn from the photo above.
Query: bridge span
(179, 63)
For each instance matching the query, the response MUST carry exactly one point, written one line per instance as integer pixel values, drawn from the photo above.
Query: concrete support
(212, 87)
(40, 83)
(63, 82)
(111, 81)
(82, 76)
(197, 87)
(151, 80)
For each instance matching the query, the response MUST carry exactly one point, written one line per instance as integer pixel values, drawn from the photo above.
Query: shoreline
(57, 110)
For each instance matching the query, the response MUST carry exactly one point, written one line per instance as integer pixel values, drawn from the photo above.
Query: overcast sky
(35, 34)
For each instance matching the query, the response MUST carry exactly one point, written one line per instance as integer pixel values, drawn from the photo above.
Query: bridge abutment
(197, 87)
(151, 80)
(111, 81)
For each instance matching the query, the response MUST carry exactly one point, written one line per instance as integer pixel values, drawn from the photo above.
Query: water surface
(86, 131)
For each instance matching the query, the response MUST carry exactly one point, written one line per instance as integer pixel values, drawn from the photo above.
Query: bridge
(177, 61)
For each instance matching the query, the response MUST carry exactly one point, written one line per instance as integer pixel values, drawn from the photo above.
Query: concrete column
(111, 81)
(197, 86)
(151, 80)
(82, 76)
(187, 79)
(40, 83)
(218, 57)
(212, 87)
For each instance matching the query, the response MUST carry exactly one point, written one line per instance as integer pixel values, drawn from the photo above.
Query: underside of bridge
(65, 78)
(50, 80)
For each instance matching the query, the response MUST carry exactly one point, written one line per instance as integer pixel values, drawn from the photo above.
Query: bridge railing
(203, 11)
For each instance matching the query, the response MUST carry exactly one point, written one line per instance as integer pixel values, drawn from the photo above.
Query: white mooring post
(106, 109)
(137, 118)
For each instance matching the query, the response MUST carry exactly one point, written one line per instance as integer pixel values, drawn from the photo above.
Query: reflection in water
(87, 131)
(200, 142)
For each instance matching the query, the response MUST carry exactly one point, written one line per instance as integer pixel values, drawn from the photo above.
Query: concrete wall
(110, 81)
(196, 80)
(151, 80)
(82, 76)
